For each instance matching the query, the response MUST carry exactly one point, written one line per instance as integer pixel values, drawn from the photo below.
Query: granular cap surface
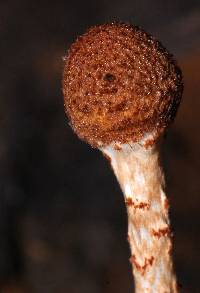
(119, 84)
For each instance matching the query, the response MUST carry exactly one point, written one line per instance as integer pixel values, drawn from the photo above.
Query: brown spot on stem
(129, 202)
(161, 232)
(141, 205)
(107, 157)
(141, 268)
(166, 204)
(117, 147)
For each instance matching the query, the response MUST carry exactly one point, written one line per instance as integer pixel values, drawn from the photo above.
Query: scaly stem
(140, 176)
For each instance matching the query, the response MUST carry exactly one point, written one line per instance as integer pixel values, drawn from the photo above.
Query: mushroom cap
(119, 84)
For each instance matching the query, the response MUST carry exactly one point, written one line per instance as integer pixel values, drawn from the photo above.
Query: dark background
(62, 216)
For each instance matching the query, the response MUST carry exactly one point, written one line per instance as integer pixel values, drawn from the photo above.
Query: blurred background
(63, 225)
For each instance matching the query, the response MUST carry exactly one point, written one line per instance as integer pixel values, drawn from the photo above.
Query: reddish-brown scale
(129, 202)
(166, 204)
(119, 83)
(117, 147)
(107, 157)
(147, 262)
(141, 205)
(161, 232)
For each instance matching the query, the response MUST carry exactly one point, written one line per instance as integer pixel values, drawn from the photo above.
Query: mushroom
(121, 90)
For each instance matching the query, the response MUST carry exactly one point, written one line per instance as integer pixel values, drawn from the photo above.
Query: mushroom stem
(137, 168)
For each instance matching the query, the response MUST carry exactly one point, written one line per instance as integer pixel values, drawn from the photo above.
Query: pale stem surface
(141, 179)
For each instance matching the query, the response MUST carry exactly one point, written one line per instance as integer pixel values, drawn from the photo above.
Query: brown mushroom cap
(119, 83)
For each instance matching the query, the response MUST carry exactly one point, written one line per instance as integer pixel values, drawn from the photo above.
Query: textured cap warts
(119, 84)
